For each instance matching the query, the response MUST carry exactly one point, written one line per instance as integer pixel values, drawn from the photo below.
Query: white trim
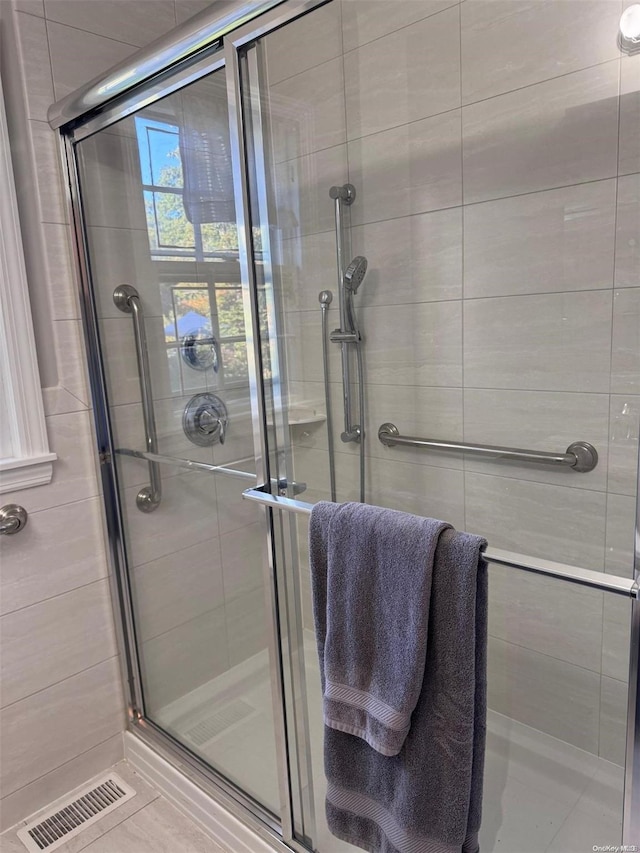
(225, 829)
(31, 462)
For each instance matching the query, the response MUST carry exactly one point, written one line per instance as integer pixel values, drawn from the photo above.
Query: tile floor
(541, 795)
(148, 823)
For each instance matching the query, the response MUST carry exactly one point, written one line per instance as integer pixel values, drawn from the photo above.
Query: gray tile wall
(485, 140)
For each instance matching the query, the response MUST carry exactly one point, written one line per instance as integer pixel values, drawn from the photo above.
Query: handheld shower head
(354, 273)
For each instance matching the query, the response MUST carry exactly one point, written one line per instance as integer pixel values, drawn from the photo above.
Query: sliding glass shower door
(162, 245)
(497, 217)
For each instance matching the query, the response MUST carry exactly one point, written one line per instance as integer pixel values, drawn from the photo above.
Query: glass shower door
(499, 308)
(162, 244)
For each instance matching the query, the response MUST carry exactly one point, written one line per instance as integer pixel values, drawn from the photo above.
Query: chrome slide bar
(127, 299)
(343, 198)
(626, 587)
(579, 456)
(325, 298)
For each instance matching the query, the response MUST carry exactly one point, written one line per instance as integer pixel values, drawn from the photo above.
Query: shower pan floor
(541, 794)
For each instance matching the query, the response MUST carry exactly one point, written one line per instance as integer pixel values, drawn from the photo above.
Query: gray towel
(376, 637)
(428, 797)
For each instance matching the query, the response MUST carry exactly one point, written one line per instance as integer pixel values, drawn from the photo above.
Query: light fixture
(629, 38)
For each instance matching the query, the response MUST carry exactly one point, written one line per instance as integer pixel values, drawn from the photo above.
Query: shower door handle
(127, 299)
(13, 519)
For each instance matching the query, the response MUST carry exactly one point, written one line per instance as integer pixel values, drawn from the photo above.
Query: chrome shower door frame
(248, 148)
(631, 814)
(229, 795)
(279, 833)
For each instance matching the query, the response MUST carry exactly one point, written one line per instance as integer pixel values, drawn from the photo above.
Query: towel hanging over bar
(579, 456)
(626, 587)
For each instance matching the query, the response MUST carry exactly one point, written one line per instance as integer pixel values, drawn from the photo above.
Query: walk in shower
(472, 171)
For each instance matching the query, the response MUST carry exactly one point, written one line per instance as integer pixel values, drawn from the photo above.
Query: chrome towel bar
(579, 456)
(189, 464)
(207, 468)
(584, 577)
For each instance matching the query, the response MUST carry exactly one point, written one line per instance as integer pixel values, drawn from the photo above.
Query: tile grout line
(87, 846)
(428, 211)
(50, 687)
(403, 27)
(53, 597)
(119, 734)
(469, 300)
(541, 82)
(461, 108)
(135, 47)
(357, 47)
(462, 287)
(551, 657)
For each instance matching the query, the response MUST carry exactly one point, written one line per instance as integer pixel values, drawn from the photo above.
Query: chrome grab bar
(584, 577)
(127, 299)
(579, 456)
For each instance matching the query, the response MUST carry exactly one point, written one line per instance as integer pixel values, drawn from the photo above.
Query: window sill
(18, 474)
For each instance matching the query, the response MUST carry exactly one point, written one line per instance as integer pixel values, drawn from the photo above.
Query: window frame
(212, 277)
(31, 461)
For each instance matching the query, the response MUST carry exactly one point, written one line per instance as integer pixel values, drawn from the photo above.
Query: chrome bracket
(586, 456)
(346, 193)
(121, 296)
(348, 337)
